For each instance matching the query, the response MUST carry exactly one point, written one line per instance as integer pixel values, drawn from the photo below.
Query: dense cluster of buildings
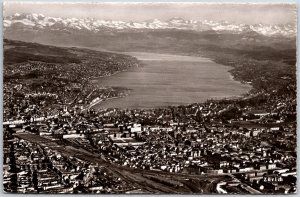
(32, 168)
(48, 111)
(198, 139)
(34, 89)
(38, 81)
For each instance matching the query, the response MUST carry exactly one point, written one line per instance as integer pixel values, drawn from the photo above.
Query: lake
(165, 80)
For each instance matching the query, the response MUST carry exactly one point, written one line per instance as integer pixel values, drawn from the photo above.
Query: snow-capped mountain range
(39, 21)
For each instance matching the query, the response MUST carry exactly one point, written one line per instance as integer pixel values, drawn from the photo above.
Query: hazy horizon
(232, 12)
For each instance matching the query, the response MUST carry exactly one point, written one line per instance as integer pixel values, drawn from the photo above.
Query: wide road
(139, 178)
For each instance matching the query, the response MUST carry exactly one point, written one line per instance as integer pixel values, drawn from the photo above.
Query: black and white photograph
(149, 98)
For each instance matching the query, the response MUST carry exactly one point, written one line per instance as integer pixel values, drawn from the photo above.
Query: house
(271, 166)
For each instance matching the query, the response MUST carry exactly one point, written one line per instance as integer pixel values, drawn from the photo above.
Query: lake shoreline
(170, 58)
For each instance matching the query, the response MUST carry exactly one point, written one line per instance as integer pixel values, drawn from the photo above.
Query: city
(58, 140)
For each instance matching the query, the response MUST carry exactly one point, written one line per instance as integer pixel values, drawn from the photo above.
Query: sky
(236, 13)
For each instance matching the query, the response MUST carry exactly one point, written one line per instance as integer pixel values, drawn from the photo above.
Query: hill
(48, 77)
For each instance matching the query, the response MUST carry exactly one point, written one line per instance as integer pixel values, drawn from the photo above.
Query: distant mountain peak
(40, 21)
(176, 19)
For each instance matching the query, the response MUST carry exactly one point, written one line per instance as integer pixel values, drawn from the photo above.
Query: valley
(158, 106)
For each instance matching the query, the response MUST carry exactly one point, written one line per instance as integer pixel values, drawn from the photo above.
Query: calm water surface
(171, 80)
